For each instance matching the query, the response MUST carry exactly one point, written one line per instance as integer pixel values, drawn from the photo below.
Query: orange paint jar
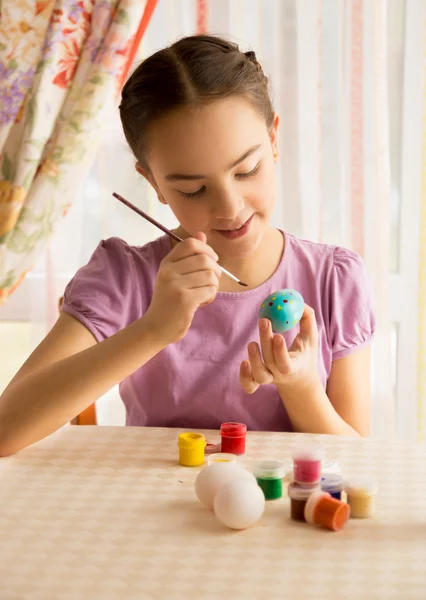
(322, 509)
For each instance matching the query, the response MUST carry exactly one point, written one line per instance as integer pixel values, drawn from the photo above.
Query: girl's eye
(193, 194)
(203, 188)
(249, 174)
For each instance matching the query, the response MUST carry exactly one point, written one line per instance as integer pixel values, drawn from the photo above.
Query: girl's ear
(273, 136)
(148, 176)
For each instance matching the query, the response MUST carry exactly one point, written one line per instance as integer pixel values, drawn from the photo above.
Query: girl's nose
(227, 205)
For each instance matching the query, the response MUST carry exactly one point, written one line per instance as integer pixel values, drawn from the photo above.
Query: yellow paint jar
(191, 449)
(361, 497)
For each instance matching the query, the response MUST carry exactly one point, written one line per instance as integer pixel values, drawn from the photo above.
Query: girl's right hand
(187, 279)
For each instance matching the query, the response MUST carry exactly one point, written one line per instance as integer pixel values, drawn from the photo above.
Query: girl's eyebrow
(180, 176)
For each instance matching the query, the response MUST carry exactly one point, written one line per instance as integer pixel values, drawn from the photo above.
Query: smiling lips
(233, 234)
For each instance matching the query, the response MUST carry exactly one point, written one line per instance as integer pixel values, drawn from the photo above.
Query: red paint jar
(233, 438)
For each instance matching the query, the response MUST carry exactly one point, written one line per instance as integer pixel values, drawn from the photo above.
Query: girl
(162, 320)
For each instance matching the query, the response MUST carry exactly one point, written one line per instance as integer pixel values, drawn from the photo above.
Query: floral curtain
(61, 65)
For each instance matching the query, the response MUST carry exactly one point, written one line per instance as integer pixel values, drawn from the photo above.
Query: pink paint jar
(307, 463)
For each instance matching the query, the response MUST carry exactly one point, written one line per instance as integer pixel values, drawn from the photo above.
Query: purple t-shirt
(194, 383)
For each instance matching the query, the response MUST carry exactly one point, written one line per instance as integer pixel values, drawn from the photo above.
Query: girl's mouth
(236, 233)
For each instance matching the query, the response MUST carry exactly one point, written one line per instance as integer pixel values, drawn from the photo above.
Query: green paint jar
(269, 475)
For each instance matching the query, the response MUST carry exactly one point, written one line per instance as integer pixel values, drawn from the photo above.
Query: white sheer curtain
(343, 81)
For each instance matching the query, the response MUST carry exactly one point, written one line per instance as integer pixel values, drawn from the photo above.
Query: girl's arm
(344, 409)
(65, 374)
(69, 370)
(349, 389)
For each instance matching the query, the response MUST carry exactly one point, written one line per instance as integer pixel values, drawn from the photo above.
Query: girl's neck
(257, 268)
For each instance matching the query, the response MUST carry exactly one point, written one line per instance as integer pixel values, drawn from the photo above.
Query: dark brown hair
(190, 72)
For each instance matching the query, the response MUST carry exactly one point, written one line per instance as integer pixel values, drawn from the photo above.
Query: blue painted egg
(283, 308)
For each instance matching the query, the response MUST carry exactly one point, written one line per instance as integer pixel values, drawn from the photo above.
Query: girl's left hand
(276, 364)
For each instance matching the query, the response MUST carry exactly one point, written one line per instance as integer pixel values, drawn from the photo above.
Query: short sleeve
(352, 316)
(101, 295)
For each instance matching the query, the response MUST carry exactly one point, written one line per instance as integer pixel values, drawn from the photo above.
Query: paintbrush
(169, 233)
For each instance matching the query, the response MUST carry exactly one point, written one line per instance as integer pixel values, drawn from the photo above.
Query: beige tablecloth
(107, 513)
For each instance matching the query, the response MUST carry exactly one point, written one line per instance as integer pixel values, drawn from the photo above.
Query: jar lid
(233, 429)
(269, 469)
(191, 440)
(307, 450)
(221, 457)
(313, 499)
(330, 466)
(296, 491)
(332, 482)
(361, 487)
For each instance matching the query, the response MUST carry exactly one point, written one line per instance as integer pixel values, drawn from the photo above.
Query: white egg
(239, 504)
(212, 478)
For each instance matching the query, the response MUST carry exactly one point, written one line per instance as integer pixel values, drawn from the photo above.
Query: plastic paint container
(307, 463)
(221, 457)
(299, 495)
(333, 484)
(322, 509)
(269, 475)
(233, 438)
(191, 449)
(327, 467)
(361, 495)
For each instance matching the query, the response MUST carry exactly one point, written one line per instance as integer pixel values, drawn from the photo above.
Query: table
(107, 513)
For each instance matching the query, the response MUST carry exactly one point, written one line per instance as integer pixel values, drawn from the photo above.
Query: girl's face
(214, 166)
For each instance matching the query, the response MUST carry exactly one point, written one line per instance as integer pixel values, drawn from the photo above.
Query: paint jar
(233, 438)
(221, 457)
(322, 509)
(269, 475)
(327, 467)
(361, 496)
(333, 484)
(191, 449)
(299, 495)
(307, 463)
